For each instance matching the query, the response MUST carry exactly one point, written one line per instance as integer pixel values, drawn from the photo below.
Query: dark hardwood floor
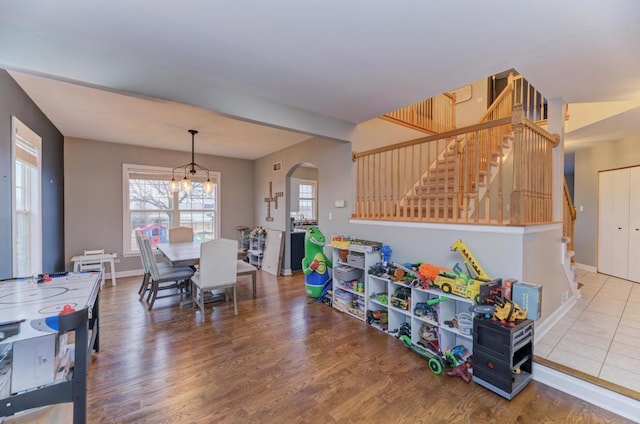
(283, 360)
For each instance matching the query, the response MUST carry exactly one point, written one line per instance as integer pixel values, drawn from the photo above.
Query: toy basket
(465, 323)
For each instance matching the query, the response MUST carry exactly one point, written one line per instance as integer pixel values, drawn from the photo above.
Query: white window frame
(31, 141)
(313, 199)
(127, 168)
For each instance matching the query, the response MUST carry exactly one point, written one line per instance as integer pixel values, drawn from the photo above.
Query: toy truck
(465, 284)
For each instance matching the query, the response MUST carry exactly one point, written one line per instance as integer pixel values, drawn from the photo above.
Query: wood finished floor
(283, 360)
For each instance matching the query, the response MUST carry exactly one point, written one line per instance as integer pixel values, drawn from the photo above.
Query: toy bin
(356, 259)
(347, 273)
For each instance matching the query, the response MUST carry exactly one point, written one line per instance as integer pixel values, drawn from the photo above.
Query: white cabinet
(634, 223)
(619, 223)
(350, 279)
(438, 320)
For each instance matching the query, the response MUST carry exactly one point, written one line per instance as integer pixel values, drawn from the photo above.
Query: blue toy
(385, 251)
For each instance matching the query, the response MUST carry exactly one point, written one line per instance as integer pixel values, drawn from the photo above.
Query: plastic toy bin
(347, 273)
(356, 259)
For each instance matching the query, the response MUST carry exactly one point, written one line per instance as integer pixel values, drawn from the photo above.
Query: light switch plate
(339, 204)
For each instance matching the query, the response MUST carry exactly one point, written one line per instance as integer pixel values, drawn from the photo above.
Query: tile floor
(600, 336)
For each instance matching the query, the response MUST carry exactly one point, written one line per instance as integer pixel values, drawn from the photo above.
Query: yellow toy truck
(457, 281)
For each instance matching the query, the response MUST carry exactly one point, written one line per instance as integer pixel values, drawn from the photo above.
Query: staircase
(569, 266)
(440, 194)
(497, 172)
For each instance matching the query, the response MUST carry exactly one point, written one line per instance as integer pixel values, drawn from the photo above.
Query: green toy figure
(315, 264)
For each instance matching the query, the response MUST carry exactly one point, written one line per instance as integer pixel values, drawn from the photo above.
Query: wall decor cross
(273, 197)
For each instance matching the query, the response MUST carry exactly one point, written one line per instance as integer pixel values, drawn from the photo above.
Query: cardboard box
(529, 297)
(33, 362)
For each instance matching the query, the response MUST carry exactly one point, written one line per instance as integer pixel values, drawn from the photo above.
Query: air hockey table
(31, 309)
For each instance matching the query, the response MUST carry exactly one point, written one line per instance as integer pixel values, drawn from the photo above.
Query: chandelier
(190, 169)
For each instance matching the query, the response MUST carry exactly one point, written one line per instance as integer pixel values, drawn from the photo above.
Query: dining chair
(218, 270)
(163, 277)
(245, 268)
(92, 260)
(180, 234)
(145, 285)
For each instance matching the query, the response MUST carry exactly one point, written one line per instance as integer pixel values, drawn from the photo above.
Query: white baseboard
(588, 392)
(286, 271)
(123, 274)
(587, 267)
(555, 317)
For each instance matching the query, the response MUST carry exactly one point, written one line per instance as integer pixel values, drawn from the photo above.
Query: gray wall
(604, 156)
(15, 102)
(93, 185)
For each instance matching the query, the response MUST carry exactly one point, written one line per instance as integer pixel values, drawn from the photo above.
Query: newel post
(517, 194)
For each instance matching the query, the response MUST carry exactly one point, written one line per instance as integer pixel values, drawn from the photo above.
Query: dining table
(188, 254)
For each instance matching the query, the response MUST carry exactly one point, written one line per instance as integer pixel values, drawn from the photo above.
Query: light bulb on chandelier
(192, 169)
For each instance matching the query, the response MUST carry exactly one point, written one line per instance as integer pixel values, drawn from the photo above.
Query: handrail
(494, 172)
(502, 105)
(444, 135)
(432, 115)
(568, 217)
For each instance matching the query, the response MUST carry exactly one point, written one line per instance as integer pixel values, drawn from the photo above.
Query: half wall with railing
(496, 172)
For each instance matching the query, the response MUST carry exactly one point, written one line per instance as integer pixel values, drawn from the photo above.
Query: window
(307, 199)
(27, 220)
(150, 206)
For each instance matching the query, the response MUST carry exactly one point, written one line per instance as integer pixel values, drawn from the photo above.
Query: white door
(605, 217)
(634, 224)
(613, 223)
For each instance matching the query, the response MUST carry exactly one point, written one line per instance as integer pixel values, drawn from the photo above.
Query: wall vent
(277, 166)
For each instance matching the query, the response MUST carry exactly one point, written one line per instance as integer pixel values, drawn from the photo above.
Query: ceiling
(134, 72)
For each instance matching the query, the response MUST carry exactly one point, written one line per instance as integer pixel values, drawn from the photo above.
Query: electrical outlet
(565, 296)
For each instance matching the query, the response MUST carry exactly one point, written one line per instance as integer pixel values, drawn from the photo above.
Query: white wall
(470, 111)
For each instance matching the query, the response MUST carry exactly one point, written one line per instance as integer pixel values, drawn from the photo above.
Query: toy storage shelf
(256, 249)
(350, 280)
(427, 312)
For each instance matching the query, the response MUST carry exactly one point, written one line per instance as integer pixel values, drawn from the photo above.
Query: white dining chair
(218, 270)
(180, 234)
(93, 260)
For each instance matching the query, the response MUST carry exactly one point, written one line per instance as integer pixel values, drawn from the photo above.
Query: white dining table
(188, 254)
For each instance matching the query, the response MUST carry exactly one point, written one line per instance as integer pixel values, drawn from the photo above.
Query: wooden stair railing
(438, 178)
(568, 218)
(434, 115)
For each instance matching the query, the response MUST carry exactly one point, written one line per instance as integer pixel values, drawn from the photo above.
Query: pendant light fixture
(190, 170)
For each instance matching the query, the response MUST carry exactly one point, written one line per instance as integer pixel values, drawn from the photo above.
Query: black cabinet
(297, 250)
(502, 355)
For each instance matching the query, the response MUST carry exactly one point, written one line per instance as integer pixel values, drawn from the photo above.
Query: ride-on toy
(436, 360)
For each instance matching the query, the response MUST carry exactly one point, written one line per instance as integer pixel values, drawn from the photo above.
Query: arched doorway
(301, 210)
